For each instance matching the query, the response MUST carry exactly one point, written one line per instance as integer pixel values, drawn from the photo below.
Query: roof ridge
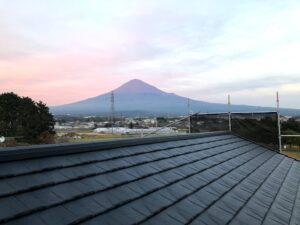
(103, 160)
(40, 151)
(109, 171)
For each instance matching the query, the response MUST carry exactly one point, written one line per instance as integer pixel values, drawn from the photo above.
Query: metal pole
(112, 102)
(278, 122)
(229, 113)
(189, 115)
(142, 134)
(290, 135)
(161, 128)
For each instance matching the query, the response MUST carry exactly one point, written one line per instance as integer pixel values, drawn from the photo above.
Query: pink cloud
(60, 78)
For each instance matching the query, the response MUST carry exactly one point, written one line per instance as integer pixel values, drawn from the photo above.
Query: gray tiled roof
(199, 179)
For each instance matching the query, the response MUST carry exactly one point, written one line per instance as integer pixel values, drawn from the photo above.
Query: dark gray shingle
(214, 178)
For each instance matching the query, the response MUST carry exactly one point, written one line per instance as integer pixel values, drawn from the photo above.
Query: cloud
(65, 51)
(58, 79)
(253, 84)
(14, 45)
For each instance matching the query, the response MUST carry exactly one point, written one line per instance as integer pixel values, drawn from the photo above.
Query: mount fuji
(139, 98)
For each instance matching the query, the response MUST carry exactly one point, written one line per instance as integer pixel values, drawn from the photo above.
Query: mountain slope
(136, 86)
(137, 97)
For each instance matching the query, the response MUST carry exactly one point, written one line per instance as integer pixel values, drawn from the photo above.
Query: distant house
(285, 118)
(212, 178)
(125, 130)
(72, 135)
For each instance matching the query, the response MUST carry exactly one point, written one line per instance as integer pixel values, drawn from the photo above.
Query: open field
(89, 135)
(98, 137)
(293, 154)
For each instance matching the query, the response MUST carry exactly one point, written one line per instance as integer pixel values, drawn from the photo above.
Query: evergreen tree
(25, 119)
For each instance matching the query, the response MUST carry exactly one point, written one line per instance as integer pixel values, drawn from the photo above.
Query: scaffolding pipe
(168, 125)
(189, 115)
(112, 110)
(229, 114)
(290, 135)
(278, 122)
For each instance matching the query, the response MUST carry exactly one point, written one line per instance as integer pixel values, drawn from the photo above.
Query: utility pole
(189, 115)
(229, 113)
(112, 110)
(278, 122)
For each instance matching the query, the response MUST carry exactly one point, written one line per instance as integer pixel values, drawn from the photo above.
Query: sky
(64, 51)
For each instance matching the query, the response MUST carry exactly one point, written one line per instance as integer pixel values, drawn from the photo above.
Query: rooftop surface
(215, 178)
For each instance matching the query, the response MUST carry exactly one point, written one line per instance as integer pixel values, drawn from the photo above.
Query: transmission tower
(112, 111)
(189, 114)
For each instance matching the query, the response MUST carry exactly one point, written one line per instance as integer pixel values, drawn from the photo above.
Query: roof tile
(207, 179)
